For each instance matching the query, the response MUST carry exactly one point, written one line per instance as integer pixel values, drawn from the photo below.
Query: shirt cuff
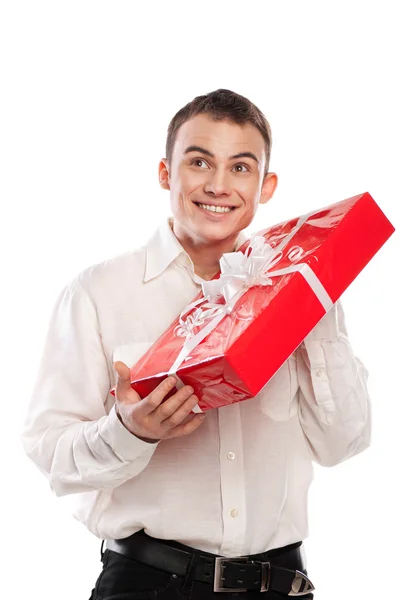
(124, 443)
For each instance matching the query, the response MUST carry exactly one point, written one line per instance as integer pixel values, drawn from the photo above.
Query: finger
(188, 427)
(123, 379)
(153, 401)
(170, 406)
(181, 413)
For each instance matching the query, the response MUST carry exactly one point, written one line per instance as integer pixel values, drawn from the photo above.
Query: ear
(268, 187)
(164, 174)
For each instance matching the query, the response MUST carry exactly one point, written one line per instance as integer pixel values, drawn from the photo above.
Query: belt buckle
(301, 581)
(218, 573)
(265, 583)
(219, 577)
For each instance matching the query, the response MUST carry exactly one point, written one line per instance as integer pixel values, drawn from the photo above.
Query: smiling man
(217, 174)
(191, 505)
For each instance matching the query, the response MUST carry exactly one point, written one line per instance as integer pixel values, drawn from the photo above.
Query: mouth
(215, 209)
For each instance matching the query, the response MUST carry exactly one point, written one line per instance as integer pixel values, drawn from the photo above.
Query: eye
(241, 168)
(198, 162)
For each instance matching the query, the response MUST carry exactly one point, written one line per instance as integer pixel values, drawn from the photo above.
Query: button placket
(232, 480)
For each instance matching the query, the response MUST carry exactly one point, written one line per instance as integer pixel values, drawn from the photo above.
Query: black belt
(279, 570)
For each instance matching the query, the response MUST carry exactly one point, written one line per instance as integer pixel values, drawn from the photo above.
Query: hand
(151, 419)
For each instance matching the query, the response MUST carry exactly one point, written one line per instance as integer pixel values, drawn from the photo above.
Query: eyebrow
(208, 153)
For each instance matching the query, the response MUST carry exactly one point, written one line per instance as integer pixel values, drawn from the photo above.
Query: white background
(88, 89)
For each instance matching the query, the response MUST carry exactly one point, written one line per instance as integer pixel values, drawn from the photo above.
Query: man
(171, 491)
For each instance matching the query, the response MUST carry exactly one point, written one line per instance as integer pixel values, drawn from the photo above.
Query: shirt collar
(163, 248)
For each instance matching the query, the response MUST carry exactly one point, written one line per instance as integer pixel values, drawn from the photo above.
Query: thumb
(124, 390)
(123, 372)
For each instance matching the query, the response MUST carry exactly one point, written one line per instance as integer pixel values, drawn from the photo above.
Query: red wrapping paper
(248, 346)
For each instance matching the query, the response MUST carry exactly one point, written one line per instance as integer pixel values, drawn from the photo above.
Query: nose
(218, 183)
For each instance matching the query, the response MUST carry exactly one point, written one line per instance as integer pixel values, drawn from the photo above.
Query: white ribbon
(239, 272)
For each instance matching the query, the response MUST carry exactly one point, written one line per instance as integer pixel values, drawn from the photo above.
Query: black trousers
(122, 578)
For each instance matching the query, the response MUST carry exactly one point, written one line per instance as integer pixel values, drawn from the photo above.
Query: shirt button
(320, 373)
(234, 513)
(231, 456)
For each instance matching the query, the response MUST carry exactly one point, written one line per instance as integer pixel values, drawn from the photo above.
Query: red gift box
(268, 297)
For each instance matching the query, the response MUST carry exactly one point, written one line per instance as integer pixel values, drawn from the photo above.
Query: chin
(214, 232)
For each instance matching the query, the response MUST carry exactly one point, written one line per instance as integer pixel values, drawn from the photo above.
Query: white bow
(239, 272)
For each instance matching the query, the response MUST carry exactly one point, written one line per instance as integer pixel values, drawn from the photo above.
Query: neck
(204, 255)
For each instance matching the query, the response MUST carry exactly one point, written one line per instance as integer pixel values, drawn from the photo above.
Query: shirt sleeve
(67, 432)
(334, 403)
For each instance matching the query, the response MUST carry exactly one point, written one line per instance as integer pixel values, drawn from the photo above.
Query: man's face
(216, 178)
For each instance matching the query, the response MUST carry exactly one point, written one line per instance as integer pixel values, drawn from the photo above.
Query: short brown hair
(221, 105)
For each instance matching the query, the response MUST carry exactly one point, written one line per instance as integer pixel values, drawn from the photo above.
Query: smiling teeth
(212, 208)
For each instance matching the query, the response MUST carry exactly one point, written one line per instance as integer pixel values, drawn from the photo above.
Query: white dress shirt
(237, 485)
